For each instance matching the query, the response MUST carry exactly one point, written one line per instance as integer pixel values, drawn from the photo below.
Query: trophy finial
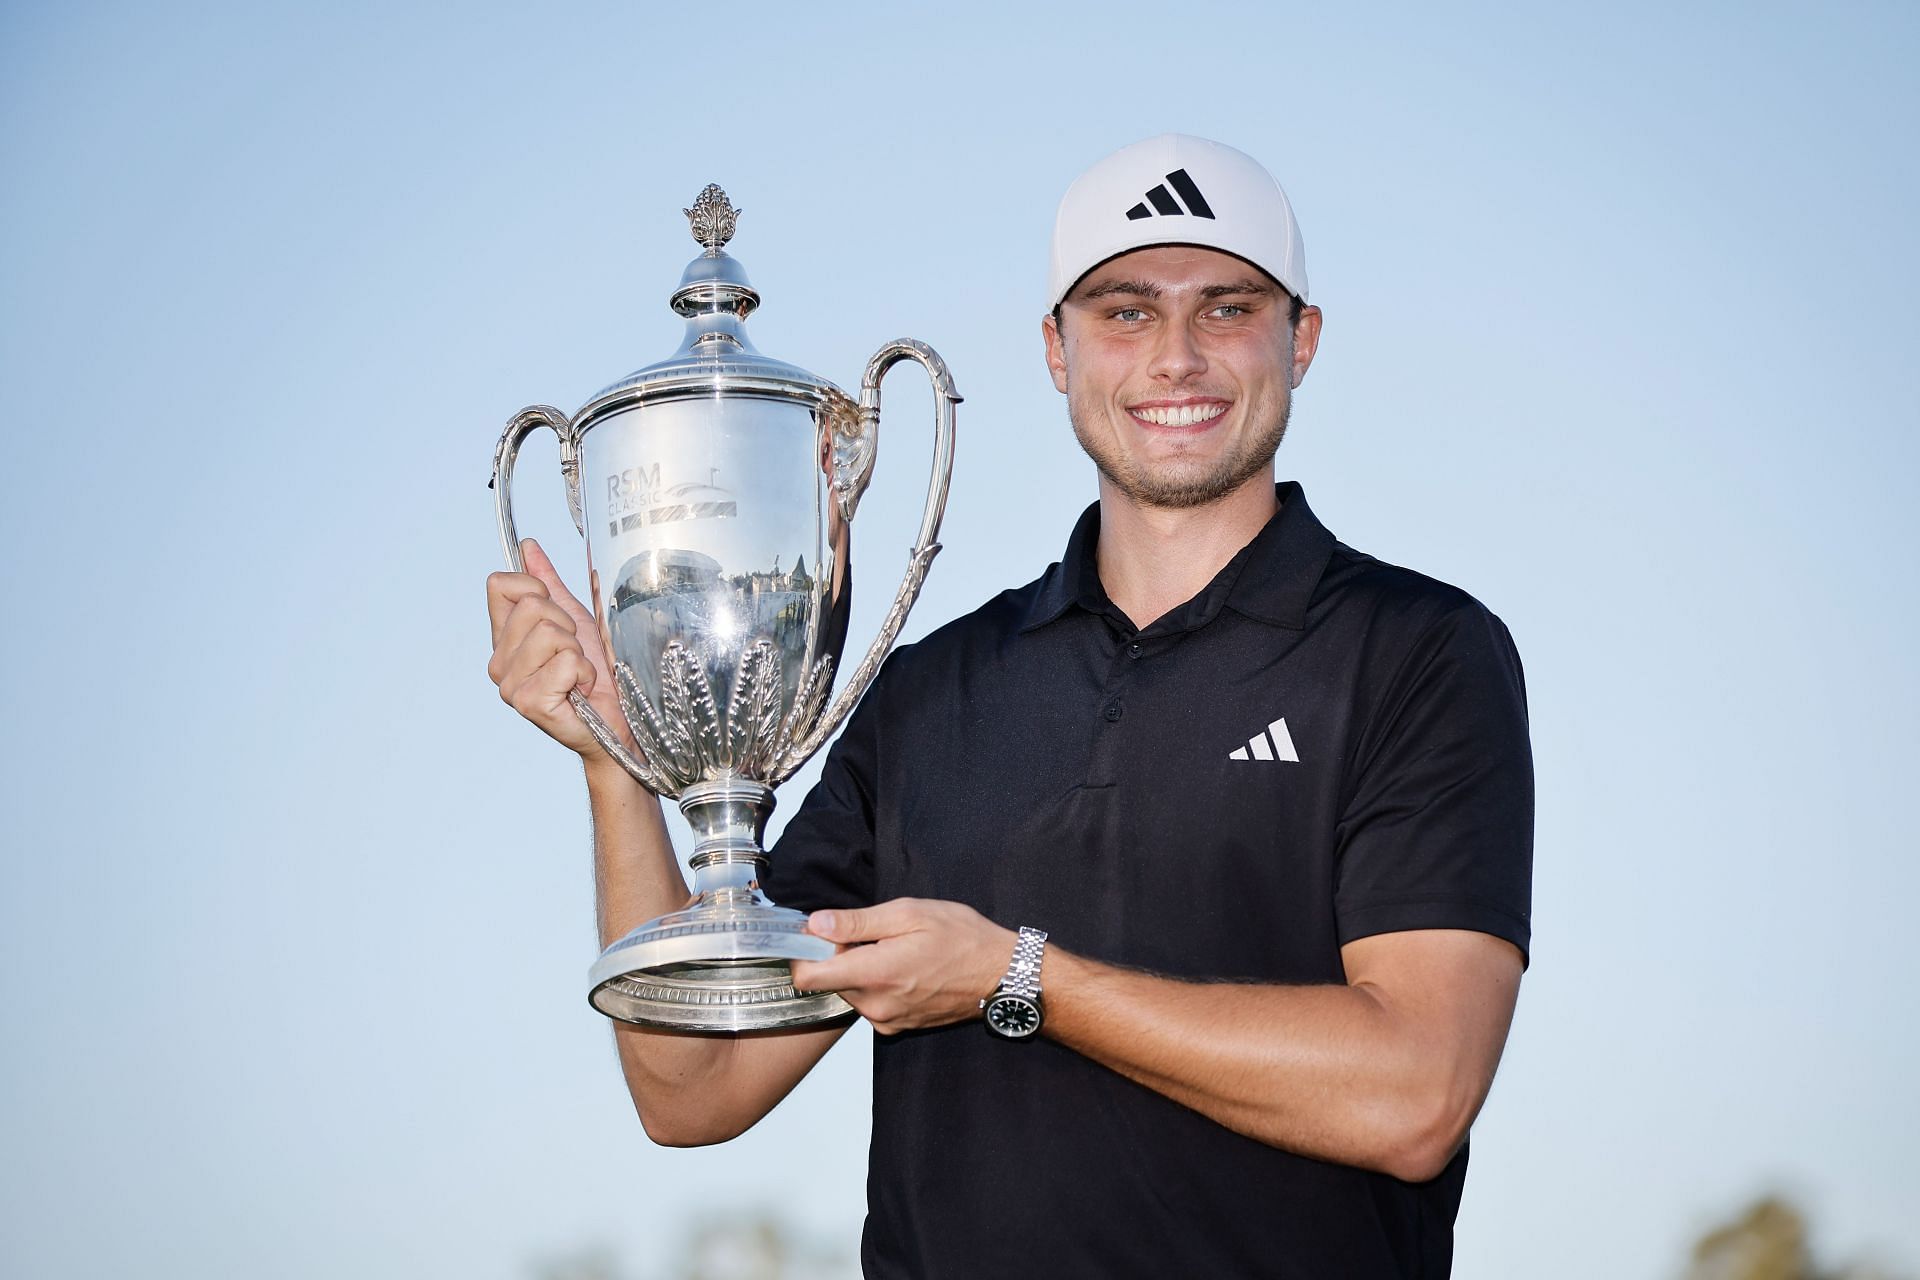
(712, 218)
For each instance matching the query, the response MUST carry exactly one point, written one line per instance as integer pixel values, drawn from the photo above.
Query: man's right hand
(545, 645)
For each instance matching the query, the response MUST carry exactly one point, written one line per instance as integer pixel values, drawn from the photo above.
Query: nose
(1176, 355)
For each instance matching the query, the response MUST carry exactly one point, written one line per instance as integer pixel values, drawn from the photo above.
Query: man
(1268, 799)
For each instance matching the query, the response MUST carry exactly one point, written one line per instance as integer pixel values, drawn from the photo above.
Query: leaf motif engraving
(753, 712)
(800, 720)
(666, 750)
(687, 707)
(767, 707)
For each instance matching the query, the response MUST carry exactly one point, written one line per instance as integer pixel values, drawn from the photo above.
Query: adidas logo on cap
(1163, 199)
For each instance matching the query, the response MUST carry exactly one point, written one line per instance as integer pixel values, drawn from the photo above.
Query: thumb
(862, 924)
(540, 565)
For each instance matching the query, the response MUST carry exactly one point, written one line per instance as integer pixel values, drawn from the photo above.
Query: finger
(541, 693)
(520, 621)
(546, 642)
(504, 591)
(867, 924)
(540, 565)
(583, 618)
(807, 975)
(529, 613)
(853, 969)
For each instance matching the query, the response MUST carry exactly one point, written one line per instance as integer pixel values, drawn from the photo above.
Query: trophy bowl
(716, 491)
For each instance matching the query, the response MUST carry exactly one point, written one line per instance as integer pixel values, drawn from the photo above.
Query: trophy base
(714, 967)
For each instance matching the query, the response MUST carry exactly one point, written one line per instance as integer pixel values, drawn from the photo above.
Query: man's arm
(689, 1089)
(1386, 1072)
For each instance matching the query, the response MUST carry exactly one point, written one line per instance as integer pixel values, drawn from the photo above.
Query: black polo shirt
(1316, 748)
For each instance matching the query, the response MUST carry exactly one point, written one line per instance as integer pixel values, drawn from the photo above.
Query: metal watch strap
(1023, 975)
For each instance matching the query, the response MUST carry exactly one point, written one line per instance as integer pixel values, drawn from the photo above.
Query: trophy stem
(720, 964)
(728, 816)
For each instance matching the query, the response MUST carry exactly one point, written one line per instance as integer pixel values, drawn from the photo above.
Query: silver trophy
(715, 490)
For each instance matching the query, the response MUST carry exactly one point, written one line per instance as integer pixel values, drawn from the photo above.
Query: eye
(1229, 311)
(1128, 315)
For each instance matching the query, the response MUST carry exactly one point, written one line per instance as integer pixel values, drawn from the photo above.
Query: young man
(1259, 806)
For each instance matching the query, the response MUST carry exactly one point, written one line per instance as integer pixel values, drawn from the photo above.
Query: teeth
(1185, 415)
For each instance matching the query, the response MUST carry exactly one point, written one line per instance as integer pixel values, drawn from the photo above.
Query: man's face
(1178, 365)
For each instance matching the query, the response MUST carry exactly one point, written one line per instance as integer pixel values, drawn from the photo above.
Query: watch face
(1015, 1017)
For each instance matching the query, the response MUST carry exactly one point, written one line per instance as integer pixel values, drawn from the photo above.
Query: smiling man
(1233, 343)
(1188, 884)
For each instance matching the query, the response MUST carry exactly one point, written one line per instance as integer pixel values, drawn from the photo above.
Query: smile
(1180, 415)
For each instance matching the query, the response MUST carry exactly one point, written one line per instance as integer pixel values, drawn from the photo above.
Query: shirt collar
(1271, 579)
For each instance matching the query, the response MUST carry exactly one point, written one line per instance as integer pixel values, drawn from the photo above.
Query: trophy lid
(715, 357)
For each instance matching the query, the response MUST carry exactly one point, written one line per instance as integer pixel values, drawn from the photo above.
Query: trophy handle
(522, 425)
(925, 546)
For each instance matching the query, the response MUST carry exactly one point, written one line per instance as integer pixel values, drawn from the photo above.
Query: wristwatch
(1014, 1009)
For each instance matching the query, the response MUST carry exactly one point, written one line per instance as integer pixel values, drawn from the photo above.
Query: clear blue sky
(295, 916)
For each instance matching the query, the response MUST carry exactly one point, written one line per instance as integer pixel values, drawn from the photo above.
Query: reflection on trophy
(716, 490)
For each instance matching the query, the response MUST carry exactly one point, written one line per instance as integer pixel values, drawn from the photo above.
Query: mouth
(1179, 413)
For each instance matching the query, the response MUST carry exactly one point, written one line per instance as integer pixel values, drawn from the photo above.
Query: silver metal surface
(1023, 971)
(716, 490)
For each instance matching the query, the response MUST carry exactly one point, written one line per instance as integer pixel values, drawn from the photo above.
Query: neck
(1154, 558)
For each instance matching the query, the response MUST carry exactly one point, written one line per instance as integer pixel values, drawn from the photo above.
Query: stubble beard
(1180, 485)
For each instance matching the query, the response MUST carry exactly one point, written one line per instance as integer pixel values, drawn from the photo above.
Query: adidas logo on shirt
(1163, 202)
(1271, 743)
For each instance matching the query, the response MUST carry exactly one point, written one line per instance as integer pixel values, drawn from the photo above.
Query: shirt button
(1134, 650)
(1113, 711)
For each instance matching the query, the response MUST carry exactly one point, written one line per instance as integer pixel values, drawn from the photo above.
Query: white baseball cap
(1176, 189)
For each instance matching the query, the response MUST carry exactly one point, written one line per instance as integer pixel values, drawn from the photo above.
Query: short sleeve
(824, 858)
(1437, 832)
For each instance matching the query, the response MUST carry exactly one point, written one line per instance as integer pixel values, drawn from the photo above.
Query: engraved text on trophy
(636, 498)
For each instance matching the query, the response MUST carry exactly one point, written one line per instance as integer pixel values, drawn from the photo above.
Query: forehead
(1172, 268)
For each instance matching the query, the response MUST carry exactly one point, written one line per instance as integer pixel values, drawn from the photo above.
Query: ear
(1056, 352)
(1306, 341)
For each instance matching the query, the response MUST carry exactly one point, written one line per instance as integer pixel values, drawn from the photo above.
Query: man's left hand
(909, 963)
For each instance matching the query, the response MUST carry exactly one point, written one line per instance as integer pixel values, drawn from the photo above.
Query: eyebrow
(1136, 288)
(1142, 289)
(1244, 286)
